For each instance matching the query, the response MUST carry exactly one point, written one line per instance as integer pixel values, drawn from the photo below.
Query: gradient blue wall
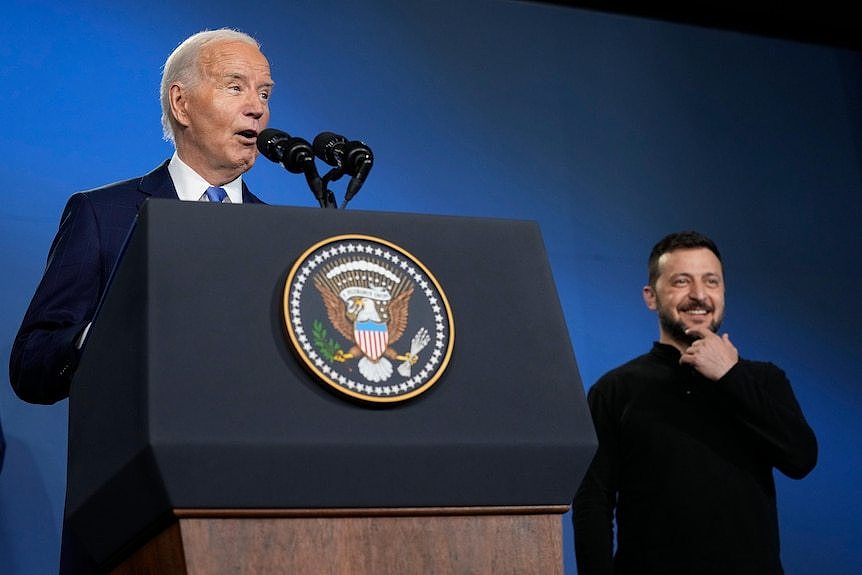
(609, 131)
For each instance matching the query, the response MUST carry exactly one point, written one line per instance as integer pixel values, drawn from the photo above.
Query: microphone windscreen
(268, 143)
(327, 147)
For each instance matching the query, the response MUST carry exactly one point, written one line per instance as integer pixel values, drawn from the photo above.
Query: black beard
(676, 329)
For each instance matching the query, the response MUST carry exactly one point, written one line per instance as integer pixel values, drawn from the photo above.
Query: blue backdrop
(609, 131)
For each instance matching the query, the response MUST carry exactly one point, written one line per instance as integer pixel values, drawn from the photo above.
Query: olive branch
(326, 346)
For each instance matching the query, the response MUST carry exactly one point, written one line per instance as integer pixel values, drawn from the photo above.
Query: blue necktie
(216, 194)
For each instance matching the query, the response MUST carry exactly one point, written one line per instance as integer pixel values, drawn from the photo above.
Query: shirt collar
(666, 351)
(191, 186)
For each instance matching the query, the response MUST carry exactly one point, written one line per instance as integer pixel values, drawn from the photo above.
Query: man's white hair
(182, 67)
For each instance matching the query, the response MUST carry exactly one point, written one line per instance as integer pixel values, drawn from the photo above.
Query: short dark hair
(678, 241)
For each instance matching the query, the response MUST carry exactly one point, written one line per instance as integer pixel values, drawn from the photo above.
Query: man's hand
(711, 355)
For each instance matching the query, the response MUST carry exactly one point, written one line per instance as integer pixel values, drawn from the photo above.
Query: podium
(200, 443)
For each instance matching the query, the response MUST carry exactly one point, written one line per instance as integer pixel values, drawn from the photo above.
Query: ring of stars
(433, 358)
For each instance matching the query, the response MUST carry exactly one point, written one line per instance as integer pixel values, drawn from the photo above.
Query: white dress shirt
(191, 187)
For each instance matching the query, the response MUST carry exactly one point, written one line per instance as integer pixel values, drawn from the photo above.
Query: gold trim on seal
(310, 364)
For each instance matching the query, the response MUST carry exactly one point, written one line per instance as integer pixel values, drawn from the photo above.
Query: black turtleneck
(686, 464)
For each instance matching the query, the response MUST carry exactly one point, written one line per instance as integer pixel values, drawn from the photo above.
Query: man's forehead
(689, 260)
(233, 58)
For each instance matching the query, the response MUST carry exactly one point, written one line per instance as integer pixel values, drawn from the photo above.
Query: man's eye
(264, 96)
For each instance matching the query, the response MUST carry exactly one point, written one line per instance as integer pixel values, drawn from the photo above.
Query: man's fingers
(697, 332)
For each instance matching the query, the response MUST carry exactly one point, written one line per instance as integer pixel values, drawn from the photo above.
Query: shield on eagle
(372, 338)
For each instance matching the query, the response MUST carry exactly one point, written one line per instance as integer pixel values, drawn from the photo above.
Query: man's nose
(697, 291)
(255, 107)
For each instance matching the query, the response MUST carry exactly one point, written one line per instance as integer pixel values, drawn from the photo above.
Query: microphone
(297, 157)
(280, 147)
(329, 147)
(354, 157)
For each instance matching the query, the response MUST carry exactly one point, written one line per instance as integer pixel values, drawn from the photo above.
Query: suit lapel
(248, 197)
(158, 184)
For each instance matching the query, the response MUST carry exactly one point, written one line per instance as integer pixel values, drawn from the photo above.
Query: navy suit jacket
(93, 230)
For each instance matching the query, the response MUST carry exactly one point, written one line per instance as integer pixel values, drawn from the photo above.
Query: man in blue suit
(215, 93)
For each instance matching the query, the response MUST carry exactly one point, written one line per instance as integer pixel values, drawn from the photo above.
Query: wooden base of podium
(356, 542)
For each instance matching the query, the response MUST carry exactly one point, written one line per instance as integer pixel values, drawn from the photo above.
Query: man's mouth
(696, 310)
(250, 134)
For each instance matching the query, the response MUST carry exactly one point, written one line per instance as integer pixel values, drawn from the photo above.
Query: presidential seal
(368, 318)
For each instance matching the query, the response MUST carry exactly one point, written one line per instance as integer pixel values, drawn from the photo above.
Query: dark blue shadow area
(29, 525)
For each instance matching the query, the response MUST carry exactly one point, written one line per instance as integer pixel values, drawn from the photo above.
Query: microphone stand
(356, 183)
(332, 175)
(318, 186)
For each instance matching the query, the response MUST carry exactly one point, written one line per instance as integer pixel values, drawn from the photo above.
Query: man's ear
(178, 98)
(649, 297)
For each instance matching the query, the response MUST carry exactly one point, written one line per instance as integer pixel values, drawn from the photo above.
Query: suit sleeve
(44, 356)
(595, 500)
(769, 409)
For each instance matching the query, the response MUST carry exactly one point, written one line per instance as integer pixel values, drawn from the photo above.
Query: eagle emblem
(368, 318)
(367, 304)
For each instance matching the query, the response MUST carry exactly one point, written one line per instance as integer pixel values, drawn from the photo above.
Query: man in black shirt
(689, 434)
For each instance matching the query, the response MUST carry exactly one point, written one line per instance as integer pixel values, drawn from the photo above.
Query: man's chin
(677, 330)
(244, 163)
(678, 334)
